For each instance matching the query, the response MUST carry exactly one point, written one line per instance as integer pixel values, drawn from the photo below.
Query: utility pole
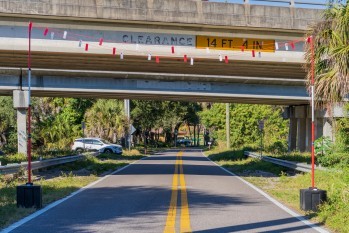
(227, 124)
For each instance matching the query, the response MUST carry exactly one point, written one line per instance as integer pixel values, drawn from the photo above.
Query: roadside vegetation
(284, 185)
(58, 182)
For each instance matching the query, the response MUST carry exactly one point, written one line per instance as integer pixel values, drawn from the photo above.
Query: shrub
(15, 158)
(323, 146)
(277, 147)
(333, 159)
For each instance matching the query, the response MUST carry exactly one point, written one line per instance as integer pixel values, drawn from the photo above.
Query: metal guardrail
(293, 165)
(13, 168)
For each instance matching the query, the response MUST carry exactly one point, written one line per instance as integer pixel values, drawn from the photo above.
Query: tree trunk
(198, 134)
(4, 140)
(189, 129)
(194, 135)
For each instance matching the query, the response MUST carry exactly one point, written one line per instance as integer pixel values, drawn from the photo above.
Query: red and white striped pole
(311, 41)
(29, 146)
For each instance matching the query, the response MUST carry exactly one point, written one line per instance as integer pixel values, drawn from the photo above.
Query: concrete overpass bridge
(62, 68)
(194, 49)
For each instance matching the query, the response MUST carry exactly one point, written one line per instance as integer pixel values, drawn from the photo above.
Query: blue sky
(259, 2)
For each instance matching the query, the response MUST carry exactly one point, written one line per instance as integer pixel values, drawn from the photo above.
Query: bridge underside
(132, 63)
(102, 76)
(156, 86)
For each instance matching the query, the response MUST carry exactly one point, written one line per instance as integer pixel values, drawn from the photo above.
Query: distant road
(175, 191)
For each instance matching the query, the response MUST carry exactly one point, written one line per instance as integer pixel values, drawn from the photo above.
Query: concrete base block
(29, 196)
(311, 198)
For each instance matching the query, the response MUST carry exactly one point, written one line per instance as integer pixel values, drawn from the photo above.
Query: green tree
(331, 46)
(146, 114)
(106, 119)
(342, 132)
(244, 119)
(168, 115)
(57, 121)
(7, 120)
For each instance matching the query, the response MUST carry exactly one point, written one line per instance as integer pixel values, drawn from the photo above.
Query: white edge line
(54, 204)
(289, 211)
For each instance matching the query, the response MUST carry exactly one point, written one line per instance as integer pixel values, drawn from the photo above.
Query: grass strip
(284, 185)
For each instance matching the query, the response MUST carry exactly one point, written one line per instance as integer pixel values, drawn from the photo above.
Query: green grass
(334, 214)
(66, 181)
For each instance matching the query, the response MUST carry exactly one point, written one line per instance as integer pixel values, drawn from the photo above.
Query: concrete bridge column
(301, 134)
(319, 124)
(20, 102)
(308, 134)
(300, 125)
(328, 128)
(301, 116)
(292, 133)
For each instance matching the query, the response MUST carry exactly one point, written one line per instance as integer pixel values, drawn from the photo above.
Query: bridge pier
(300, 125)
(292, 134)
(301, 116)
(20, 103)
(308, 134)
(299, 128)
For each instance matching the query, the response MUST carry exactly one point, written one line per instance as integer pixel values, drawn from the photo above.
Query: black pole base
(29, 196)
(311, 198)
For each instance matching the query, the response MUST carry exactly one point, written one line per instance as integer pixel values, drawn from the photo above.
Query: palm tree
(106, 119)
(331, 45)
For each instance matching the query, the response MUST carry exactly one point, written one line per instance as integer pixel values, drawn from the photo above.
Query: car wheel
(108, 151)
(79, 150)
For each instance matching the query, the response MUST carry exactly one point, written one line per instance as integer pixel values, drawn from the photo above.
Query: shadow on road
(256, 225)
(134, 207)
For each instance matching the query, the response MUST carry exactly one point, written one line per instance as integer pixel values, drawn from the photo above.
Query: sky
(261, 2)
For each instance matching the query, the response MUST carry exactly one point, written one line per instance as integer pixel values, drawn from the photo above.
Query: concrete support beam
(301, 134)
(328, 129)
(301, 116)
(150, 88)
(308, 134)
(227, 124)
(319, 126)
(300, 125)
(292, 134)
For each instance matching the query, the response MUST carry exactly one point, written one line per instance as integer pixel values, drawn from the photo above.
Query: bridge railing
(236, 18)
(292, 3)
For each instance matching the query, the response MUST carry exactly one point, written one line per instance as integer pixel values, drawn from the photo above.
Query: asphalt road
(169, 192)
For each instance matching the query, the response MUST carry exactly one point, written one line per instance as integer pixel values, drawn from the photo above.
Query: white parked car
(96, 144)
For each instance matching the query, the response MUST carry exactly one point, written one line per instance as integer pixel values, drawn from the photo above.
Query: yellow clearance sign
(235, 43)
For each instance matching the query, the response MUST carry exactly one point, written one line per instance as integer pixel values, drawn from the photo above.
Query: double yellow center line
(178, 176)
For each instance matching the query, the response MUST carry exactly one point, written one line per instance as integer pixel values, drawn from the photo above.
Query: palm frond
(331, 46)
